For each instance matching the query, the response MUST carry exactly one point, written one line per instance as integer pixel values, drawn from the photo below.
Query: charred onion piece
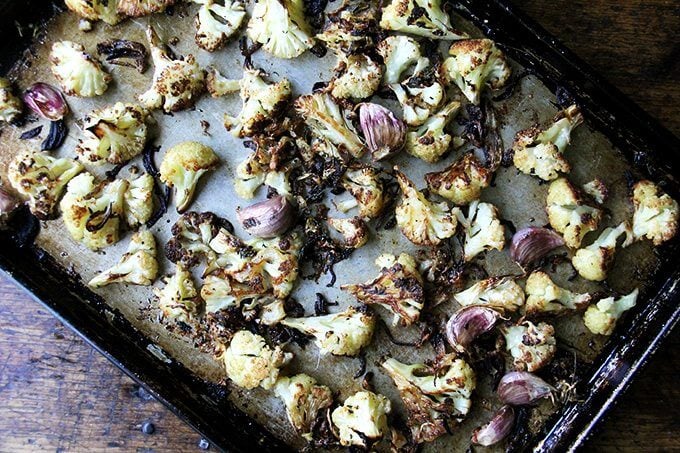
(56, 136)
(119, 51)
(385, 134)
(268, 218)
(97, 220)
(497, 429)
(468, 323)
(31, 133)
(533, 243)
(46, 101)
(520, 388)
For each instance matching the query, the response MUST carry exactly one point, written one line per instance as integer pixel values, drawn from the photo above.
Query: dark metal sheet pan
(206, 406)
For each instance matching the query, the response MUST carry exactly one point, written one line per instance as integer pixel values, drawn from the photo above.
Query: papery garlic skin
(468, 323)
(533, 243)
(46, 100)
(497, 429)
(385, 134)
(520, 388)
(268, 218)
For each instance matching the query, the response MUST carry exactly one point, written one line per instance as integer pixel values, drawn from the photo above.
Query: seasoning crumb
(205, 126)
(148, 428)
(174, 41)
(203, 444)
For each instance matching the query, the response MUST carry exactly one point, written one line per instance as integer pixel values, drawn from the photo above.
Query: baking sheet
(519, 198)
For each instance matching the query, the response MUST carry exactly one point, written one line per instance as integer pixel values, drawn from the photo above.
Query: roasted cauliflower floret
(178, 300)
(138, 8)
(216, 23)
(250, 362)
(138, 266)
(656, 214)
(139, 200)
(433, 394)
(92, 211)
(327, 120)
(593, 262)
(600, 318)
(350, 28)
(182, 167)
(10, 105)
(191, 237)
(261, 103)
(398, 288)
(78, 73)
(483, 230)
(569, 214)
(419, 17)
(343, 333)
(364, 184)
(358, 77)
(423, 222)
(544, 296)
(280, 26)
(304, 400)
(429, 142)
(501, 293)
(362, 419)
(218, 85)
(532, 346)
(539, 152)
(42, 178)
(474, 64)
(250, 175)
(462, 181)
(114, 134)
(94, 10)
(177, 83)
(354, 231)
(418, 102)
(400, 54)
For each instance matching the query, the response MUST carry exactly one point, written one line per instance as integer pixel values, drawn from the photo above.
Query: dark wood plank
(56, 393)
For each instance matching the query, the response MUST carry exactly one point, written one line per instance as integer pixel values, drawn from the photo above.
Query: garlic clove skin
(468, 323)
(519, 388)
(497, 429)
(46, 100)
(533, 243)
(385, 134)
(268, 218)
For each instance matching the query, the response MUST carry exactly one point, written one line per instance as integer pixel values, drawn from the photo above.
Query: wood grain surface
(58, 394)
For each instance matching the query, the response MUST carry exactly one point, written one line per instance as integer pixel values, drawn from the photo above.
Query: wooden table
(56, 393)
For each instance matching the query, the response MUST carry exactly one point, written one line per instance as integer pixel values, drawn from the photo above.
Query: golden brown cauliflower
(569, 214)
(462, 181)
(656, 214)
(78, 73)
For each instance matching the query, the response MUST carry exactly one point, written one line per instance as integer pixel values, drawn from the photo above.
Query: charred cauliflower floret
(113, 134)
(539, 152)
(94, 10)
(280, 26)
(78, 73)
(250, 175)
(92, 210)
(304, 400)
(350, 28)
(354, 231)
(429, 142)
(462, 181)
(357, 77)
(216, 23)
(593, 262)
(343, 333)
(474, 64)
(422, 221)
(400, 54)
(191, 237)
(138, 8)
(398, 288)
(42, 178)
(261, 103)
(600, 318)
(138, 266)
(327, 120)
(501, 293)
(364, 184)
(656, 214)
(483, 230)
(362, 419)
(178, 300)
(182, 167)
(544, 296)
(10, 105)
(418, 102)
(419, 17)
(532, 346)
(569, 214)
(433, 394)
(250, 362)
(177, 83)
(139, 200)
(218, 85)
